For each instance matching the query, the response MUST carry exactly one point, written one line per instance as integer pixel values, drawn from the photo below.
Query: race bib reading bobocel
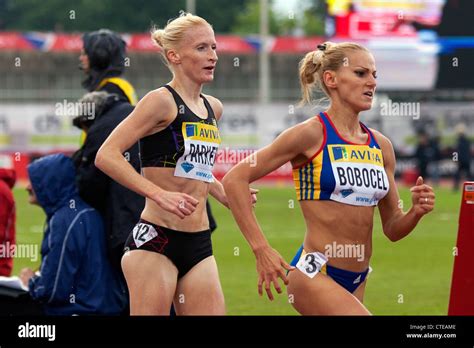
(359, 174)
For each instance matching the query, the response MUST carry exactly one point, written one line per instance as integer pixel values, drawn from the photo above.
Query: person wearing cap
(7, 214)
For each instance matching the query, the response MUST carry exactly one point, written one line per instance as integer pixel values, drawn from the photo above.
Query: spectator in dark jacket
(463, 150)
(7, 214)
(436, 153)
(119, 206)
(75, 275)
(424, 154)
(103, 61)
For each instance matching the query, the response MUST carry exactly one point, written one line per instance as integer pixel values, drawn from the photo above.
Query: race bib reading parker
(201, 142)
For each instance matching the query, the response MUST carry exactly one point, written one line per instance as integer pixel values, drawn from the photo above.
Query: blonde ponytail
(328, 56)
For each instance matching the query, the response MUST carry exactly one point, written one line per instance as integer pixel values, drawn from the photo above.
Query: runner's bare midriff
(332, 226)
(165, 179)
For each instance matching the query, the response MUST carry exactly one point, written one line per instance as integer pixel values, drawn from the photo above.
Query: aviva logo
(201, 132)
(355, 154)
(339, 152)
(191, 130)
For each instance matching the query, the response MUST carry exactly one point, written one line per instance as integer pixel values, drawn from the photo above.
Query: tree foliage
(248, 20)
(308, 19)
(226, 16)
(118, 15)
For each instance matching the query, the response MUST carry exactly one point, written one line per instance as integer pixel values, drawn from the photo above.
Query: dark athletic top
(189, 143)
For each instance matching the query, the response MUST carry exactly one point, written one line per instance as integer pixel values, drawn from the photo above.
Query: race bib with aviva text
(359, 174)
(201, 142)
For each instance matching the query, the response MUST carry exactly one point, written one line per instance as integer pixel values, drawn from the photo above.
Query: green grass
(29, 228)
(416, 269)
(53, 139)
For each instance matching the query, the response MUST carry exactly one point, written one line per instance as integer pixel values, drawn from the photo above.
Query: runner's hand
(253, 196)
(423, 197)
(180, 204)
(270, 267)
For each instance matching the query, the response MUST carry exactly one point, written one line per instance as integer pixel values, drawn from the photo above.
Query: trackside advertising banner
(244, 128)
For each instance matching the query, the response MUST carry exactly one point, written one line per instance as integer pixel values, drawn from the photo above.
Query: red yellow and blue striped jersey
(343, 171)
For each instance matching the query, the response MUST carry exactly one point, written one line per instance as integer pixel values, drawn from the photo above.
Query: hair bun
(157, 36)
(322, 47)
